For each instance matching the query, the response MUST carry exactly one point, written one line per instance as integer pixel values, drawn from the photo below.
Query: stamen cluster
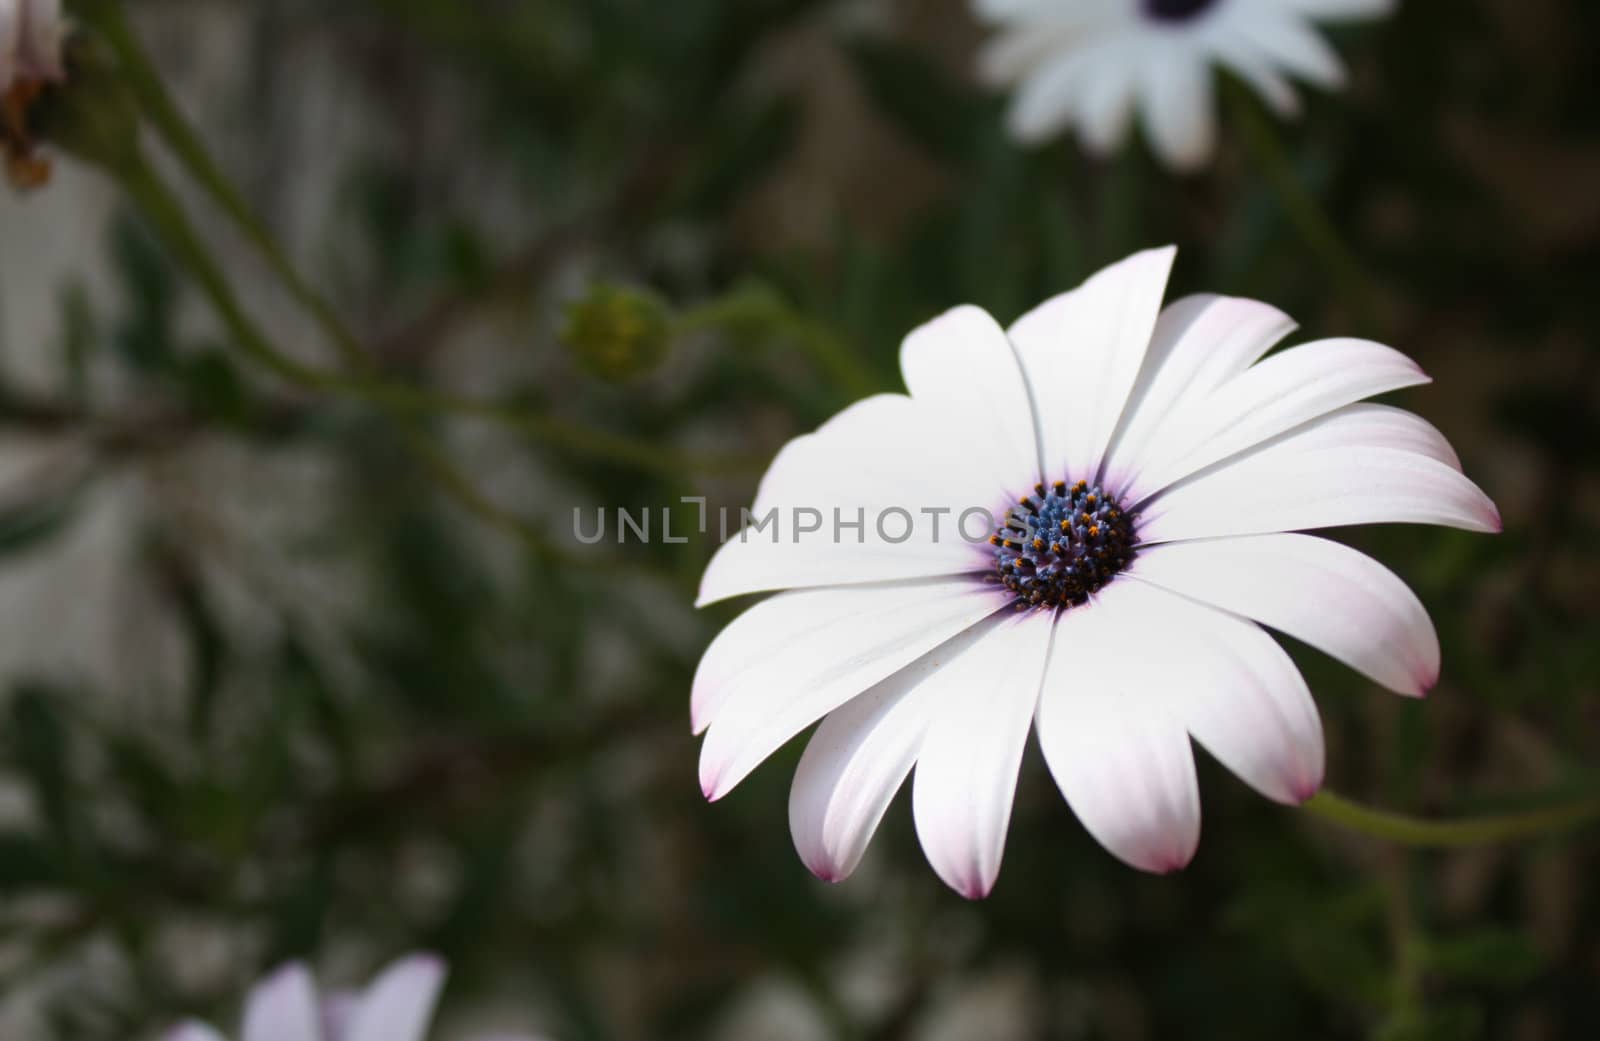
(1060, 544)
(1175, 10)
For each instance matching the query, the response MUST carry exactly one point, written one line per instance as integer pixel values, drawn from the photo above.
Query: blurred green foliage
(479, 744)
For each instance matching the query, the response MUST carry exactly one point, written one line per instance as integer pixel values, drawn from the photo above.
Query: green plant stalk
(836, 358)
(559, 433)
(461, 488)
(164, 210)
(1443, 834)
(167, 213)
(758, 305)
(175, 129)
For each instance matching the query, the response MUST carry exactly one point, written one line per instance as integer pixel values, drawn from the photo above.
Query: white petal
(1307, 480)
(338, 1010)
(1339, 10)
(1199, 343)
(1180, 109)
(1275, 395)
(1296, 46)
(39, 50)
(962, 369)
(859, 757)
(1011, 56)
(399, 1004)
(1258, 71)
(284, 1005)
(808, 619)
(1111, 737)
(1106, 100)
(863, 482)
(1048, 100)
(855, 502)
(790, 660)
(1082, 352)
(1014, 55)
(1234, 689)
(1339, 601)
(851, 769)
(10, 41)
(193, 1030)
(1366, 425)
(967, 767)
(1004, 10)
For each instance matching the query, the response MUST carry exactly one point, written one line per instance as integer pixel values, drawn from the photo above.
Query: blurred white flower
(31, 32)
(286, 1006)
(1145, 467)
(1089, 63)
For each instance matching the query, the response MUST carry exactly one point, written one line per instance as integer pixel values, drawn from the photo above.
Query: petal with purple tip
(1114, 743)
(399, 1004)
(284, 1005)
(792, 659)
(1338, 600)
(967, 765)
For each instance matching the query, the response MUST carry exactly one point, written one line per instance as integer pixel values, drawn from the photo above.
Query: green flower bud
(617, 332)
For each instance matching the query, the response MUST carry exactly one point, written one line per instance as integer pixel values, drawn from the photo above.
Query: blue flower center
(1061, 544)
(1176, 10)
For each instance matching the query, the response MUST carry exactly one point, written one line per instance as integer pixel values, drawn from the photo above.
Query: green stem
(1316, 230)
(573, 438)
(141, 76)
(167, 214)
(753, 305)
(1466, 831)
(460, 487)
(837, 359)
(164, 209)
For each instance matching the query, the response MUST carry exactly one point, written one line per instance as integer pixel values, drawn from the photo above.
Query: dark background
(290, 673)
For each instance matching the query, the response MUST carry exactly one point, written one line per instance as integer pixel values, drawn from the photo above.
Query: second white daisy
(1090, 64)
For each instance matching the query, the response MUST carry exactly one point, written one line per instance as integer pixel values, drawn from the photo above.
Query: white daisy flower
(31, 32)
(286, 1006)
(1145, 467)
(1088, 63)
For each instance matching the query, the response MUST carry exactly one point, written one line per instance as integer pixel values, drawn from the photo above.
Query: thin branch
(1464, 831)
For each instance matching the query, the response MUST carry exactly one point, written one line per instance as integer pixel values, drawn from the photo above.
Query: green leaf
(1487, 956)
(144, 778)
(30, 524)
(80, 333)
(1456, 1022)
(212, 384)
(43, 753)
(300, 910)
(26, 863)
(146, 337)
